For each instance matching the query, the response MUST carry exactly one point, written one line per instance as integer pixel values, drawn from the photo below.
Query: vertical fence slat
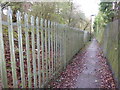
(2, 57)
(58, 32)
(46, 50)
(60, 46)
(42, 46)
(56, 49)
(33, 51)
(12, 50)
(38, 51)
(66, 42)
(27, 50)
(67, 46)
(72, 45)
(49, 48)
(20, 49)
(52, 45)
(61, 57)
(64, 46)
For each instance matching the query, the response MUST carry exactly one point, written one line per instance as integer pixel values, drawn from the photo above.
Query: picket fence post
(3, 72)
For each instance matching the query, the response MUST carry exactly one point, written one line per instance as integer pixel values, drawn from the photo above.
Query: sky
(89, 7)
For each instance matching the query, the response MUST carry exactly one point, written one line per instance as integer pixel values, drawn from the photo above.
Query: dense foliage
(108, 12)
(61, 12)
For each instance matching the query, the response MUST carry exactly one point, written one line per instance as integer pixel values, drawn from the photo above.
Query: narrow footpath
(88, 69)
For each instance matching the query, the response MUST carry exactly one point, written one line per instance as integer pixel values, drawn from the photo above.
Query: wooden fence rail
(33, 50)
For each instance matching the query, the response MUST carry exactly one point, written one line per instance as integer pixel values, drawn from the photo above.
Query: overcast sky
(89, 7)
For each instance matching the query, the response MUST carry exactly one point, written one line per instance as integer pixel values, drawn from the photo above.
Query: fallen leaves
(67, 78)
(106, 76)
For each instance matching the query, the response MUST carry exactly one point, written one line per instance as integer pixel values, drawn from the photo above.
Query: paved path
(88, 69)
(88, 78)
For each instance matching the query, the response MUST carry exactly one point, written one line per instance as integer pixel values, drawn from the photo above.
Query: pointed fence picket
(12, 48)
(27, 50)
(2, 57)
(20, 48)
(44, 49)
